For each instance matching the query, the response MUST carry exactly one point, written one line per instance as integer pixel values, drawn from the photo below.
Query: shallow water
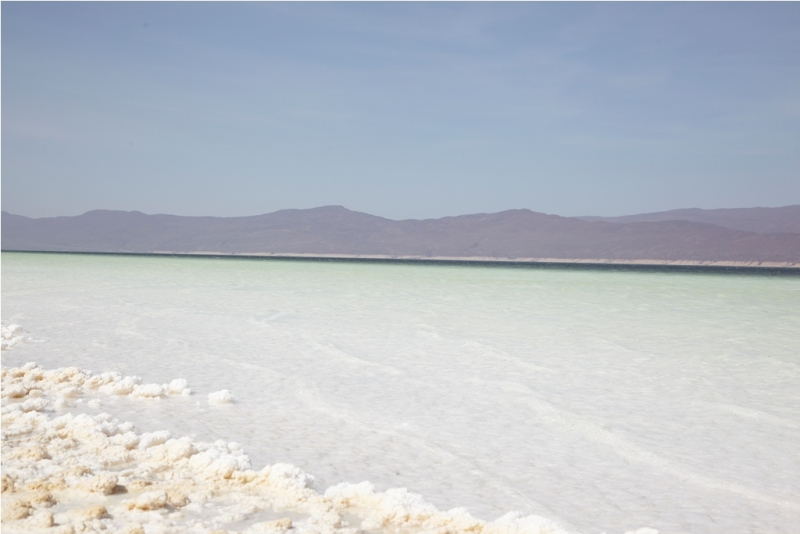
(606, 400)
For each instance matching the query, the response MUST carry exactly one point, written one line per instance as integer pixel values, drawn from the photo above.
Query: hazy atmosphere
(401, 267)
(399, 110)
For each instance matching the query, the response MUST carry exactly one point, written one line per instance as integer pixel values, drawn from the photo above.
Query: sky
(403, 110)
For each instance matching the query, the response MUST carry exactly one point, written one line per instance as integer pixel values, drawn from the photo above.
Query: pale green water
(606, 400)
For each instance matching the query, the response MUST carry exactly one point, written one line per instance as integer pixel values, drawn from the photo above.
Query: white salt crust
(70, 473)
(220, 397)
(11, 335)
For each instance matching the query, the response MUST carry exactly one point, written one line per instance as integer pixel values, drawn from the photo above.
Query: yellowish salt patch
(78, 473)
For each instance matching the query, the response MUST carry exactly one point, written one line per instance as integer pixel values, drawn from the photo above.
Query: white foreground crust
(73, 473)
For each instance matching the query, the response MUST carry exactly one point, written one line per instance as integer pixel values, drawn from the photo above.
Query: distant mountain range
(750, 236)
(761, 220)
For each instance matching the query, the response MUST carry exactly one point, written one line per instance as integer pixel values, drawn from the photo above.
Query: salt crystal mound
(92, 473)
(11, 335)
(220, 397)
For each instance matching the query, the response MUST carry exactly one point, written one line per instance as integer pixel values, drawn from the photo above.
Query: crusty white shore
(488, 259)
(67, 473)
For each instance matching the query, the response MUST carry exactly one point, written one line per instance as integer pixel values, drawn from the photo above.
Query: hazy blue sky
(401, 110)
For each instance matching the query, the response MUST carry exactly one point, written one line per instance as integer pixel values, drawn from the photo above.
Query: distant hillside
(761, 220)
(514, 234)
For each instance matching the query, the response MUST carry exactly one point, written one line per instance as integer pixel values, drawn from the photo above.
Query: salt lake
(605, 400)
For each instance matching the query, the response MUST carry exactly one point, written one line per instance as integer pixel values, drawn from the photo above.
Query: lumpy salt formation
(66, 472)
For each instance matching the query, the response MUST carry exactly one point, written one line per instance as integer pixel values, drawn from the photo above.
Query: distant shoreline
(679, 265)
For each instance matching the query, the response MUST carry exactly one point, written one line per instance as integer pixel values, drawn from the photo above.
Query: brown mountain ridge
(521, 235)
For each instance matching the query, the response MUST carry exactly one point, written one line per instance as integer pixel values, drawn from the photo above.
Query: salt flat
(604, 400)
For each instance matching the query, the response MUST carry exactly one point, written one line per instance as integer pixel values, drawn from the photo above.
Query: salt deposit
(11, 335)
(605, 401)
(74, 473)
(220, 397)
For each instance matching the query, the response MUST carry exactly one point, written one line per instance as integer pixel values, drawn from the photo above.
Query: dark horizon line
(599, 265)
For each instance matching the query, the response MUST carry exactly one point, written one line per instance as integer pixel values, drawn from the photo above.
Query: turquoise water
(606, 400)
